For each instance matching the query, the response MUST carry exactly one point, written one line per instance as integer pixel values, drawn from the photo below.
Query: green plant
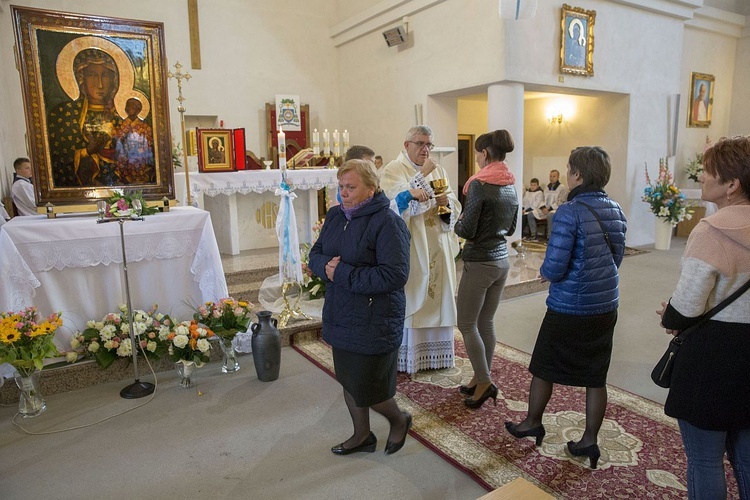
(665, 198)
(25, 342)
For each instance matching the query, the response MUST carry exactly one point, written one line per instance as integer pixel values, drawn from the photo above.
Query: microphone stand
(137, 389)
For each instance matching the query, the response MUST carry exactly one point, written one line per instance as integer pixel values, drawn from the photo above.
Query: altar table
(74, 265)
(247, 221)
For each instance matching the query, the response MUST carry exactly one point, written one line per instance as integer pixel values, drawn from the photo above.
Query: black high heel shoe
(590, 451)
(367, 446)
(490, 392)
(391, 448)
(536, 432)
(466, 390)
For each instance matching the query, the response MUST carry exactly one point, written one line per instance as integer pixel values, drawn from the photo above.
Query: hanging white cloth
(290, 263)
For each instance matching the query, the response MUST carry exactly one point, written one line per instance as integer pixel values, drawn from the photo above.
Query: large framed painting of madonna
(97, 115)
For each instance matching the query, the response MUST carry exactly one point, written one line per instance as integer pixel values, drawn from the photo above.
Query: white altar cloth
(74, 265)
(239, 220)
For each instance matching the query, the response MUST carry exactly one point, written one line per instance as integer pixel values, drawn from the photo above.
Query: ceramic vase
(266, 343)
(31, 403)
(663, 235)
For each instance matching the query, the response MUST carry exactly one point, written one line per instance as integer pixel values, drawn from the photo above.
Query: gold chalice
(440, 186)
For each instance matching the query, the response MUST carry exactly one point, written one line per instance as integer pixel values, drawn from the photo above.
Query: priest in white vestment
(430, 290)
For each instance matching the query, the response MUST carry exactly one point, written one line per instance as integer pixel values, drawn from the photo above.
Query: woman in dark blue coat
(574, 345)
(362, 254)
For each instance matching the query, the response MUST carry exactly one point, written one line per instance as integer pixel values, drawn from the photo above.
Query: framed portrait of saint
(701, 100)
(96, 106)
(577, 46)
(215, 150)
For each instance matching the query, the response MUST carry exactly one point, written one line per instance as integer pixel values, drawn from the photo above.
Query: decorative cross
(179, 76)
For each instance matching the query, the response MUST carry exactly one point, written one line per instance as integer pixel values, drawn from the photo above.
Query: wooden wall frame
(79, 143)
(701, 100)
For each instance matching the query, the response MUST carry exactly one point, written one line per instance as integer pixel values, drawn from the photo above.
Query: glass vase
(31, 403)
(230, 364)
(186, 371)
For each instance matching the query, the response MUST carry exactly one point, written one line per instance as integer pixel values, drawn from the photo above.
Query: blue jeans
(705, 456)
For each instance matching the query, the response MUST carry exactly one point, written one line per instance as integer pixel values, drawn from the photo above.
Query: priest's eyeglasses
(421, 145)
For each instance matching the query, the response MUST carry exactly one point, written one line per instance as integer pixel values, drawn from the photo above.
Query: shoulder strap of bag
(606, 234)
(679, 339)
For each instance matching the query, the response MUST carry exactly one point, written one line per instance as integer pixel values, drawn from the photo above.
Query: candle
(336, 147)
(326, 142)
(346, 141)
(316, 142)
(282, 149)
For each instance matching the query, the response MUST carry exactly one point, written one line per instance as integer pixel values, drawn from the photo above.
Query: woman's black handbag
(662, 372)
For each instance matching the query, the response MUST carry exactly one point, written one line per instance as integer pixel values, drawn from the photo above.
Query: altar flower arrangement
(226, 317)
(108, 339)
(189, 342)
(695, 167)
(121, 204)
(25, 340)
(665, 198)
(312, 284)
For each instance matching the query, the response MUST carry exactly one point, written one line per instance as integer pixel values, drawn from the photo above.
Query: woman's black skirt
(370, 379)
(574, 350)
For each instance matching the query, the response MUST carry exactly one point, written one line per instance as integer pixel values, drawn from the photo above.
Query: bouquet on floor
(312, 284)
(25, 341)
(225, 318)
(665, 198)
(189, 343)
(109, 339)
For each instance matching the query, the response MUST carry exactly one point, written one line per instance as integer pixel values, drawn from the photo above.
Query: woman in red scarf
(488, 217)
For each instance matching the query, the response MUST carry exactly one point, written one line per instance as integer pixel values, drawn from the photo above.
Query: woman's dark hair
(729, 159)
(593, 165)
(497, 144)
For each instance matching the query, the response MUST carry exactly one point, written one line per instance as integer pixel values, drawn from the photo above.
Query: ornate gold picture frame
(96, 105)
(701, 100)
(215, 150)
(577, 45)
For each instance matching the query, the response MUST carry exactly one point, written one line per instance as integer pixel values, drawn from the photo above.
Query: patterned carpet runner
(642, 454)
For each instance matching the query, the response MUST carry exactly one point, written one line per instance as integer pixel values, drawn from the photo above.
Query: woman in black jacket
(363, 255)
(489, 216)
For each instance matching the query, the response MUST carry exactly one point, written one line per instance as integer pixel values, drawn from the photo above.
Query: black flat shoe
(536, 432)
(391, 448)
(590, 451)
(490, 392)
(466, 390)
(367, 446)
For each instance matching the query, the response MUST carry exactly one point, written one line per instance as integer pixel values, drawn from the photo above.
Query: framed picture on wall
(95, 99)
(215, 150)
(701, 100)
(577, 46)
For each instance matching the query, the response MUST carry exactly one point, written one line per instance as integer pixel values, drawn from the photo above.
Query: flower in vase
(108, 339)
(225, 317)
(664, 198)
(193, 346)
(26, 340)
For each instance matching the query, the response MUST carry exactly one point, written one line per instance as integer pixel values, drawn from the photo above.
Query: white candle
(282, 149)
(346, 141)
(336, 146)
(316, 142)
(326, 142)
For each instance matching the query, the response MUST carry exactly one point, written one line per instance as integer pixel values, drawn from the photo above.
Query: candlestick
(346, 141)
(336, 144)
(282, 149)
(326, 142)
(316, 142)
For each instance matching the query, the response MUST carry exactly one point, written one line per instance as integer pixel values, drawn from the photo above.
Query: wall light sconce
(558, 118)
(397, 35)
(558, 111)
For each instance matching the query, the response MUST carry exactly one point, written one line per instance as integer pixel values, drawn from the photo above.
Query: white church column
(505, 111)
